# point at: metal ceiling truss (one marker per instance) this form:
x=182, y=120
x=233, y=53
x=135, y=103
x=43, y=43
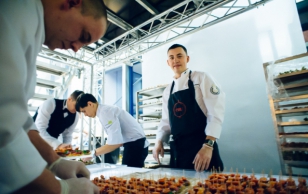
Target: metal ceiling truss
x=126, y=48
x=69, y=57
x=65, y=85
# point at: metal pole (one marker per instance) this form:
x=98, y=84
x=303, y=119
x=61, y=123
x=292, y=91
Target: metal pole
x=90, y=120
x=103, y=102
x=124, y=87
x=82, y=116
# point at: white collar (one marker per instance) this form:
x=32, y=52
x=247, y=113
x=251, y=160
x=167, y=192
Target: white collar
x=184, y=75
x=99, y=107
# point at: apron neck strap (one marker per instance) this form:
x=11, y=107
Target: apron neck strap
x=171, y=88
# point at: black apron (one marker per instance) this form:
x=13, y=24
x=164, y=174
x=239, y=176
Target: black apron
x=134, y=153
x=188, y=122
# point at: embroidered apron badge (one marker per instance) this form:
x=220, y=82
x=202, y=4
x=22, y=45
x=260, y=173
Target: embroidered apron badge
x=214, y=90
x=179, y=109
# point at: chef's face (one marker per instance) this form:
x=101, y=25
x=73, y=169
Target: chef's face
x=90, y=110
x=177, y=60
x=66, y=28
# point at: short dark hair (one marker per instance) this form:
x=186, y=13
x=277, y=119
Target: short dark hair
x=76, y=93
x=95, y=8
x=82, y=101
x=176, y=46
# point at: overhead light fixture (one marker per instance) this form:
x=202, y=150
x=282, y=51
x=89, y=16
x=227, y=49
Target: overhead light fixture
x=92, y=45
x=146, y=5
x=118, y=21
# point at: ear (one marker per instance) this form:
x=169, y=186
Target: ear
x=168, y=63
x=89, y=103
x=68, y=4
x=188, y=59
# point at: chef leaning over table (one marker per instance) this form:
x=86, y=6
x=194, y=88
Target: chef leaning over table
x=27, y=163
x=121, y=128
x=193, y=112
x=55, y=117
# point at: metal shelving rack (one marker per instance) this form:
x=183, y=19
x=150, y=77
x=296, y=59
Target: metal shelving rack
x=287, y=84
x=149, y=102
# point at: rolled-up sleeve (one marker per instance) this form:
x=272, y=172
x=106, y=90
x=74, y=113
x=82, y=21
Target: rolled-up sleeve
x=164, y=130
x=214, y=100
x=29, y=125
x=20, y=162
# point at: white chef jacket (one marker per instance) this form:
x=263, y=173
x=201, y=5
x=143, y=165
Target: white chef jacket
x=22, y=34
x=119, y=125
x=42, y=120
x=209, y=96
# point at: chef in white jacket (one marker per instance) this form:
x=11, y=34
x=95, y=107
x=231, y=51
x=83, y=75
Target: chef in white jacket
x=193, y=112
x=27, y=163
x=121, y=128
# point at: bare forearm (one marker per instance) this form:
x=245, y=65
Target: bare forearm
x=45, y=183
x=106, y=149
x=43, y=147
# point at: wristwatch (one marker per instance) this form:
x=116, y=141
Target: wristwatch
x=209, y=142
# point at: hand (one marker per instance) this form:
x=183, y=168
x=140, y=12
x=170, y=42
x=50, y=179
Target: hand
x=78, y=185
x=158, y=149
x=86, y=159
x=64, y=146
x=203, y=158
x=66, y=169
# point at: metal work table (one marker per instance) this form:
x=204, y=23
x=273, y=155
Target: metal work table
x=121, y=170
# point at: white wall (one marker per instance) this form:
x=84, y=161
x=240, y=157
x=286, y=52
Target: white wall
x=233, y=53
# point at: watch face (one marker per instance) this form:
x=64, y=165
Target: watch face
x=209, y=142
